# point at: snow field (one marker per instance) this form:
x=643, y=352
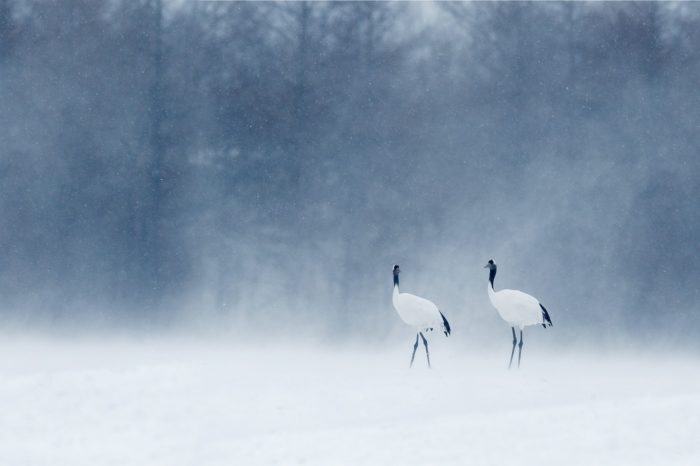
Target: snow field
x=193, y=403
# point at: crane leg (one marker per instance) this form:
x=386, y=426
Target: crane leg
x=520, y=345
x=425, y=342
x=415, y=346
x=512, y=352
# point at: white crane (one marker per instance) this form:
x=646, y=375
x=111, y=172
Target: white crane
x=517, y=308
x=419, y=313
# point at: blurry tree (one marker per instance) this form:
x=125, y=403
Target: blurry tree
x=274, y=154
x=8, y=29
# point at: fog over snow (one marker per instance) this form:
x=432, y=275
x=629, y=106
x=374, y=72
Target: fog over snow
x=181, y=402
x=201, y=204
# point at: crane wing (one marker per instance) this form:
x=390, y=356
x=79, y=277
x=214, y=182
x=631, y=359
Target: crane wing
x=518, y=308
x=417, y=311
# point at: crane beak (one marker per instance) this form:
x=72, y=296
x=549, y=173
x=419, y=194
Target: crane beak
x=486, y=266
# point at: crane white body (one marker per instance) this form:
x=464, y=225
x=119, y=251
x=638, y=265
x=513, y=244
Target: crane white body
x=515, y=307
x=416, y=311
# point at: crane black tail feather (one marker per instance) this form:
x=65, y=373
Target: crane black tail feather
x=545, y=317
x=445, y=325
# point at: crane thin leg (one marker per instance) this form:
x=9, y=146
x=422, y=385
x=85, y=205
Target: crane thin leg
x=414, y=351
x=512, y=352
x=520, y=345
x=425, y=342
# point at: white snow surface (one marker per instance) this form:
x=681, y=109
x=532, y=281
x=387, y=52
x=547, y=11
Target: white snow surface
x=193, y=403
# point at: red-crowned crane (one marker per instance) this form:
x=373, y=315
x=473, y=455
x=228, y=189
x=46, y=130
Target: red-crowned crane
x=419, y=313
x=518, y=309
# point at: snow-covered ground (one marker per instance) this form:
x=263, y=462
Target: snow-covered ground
x=191, y=403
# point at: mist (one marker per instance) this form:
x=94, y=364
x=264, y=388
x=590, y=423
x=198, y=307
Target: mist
x=247, y=165
x=202, y=202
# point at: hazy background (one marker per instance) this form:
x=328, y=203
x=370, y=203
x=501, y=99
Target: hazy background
x=260, y=167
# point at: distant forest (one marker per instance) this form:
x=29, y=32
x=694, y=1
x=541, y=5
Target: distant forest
x=244, y=159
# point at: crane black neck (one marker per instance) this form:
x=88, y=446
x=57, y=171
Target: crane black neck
x=396, y=279
x=492, y=275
